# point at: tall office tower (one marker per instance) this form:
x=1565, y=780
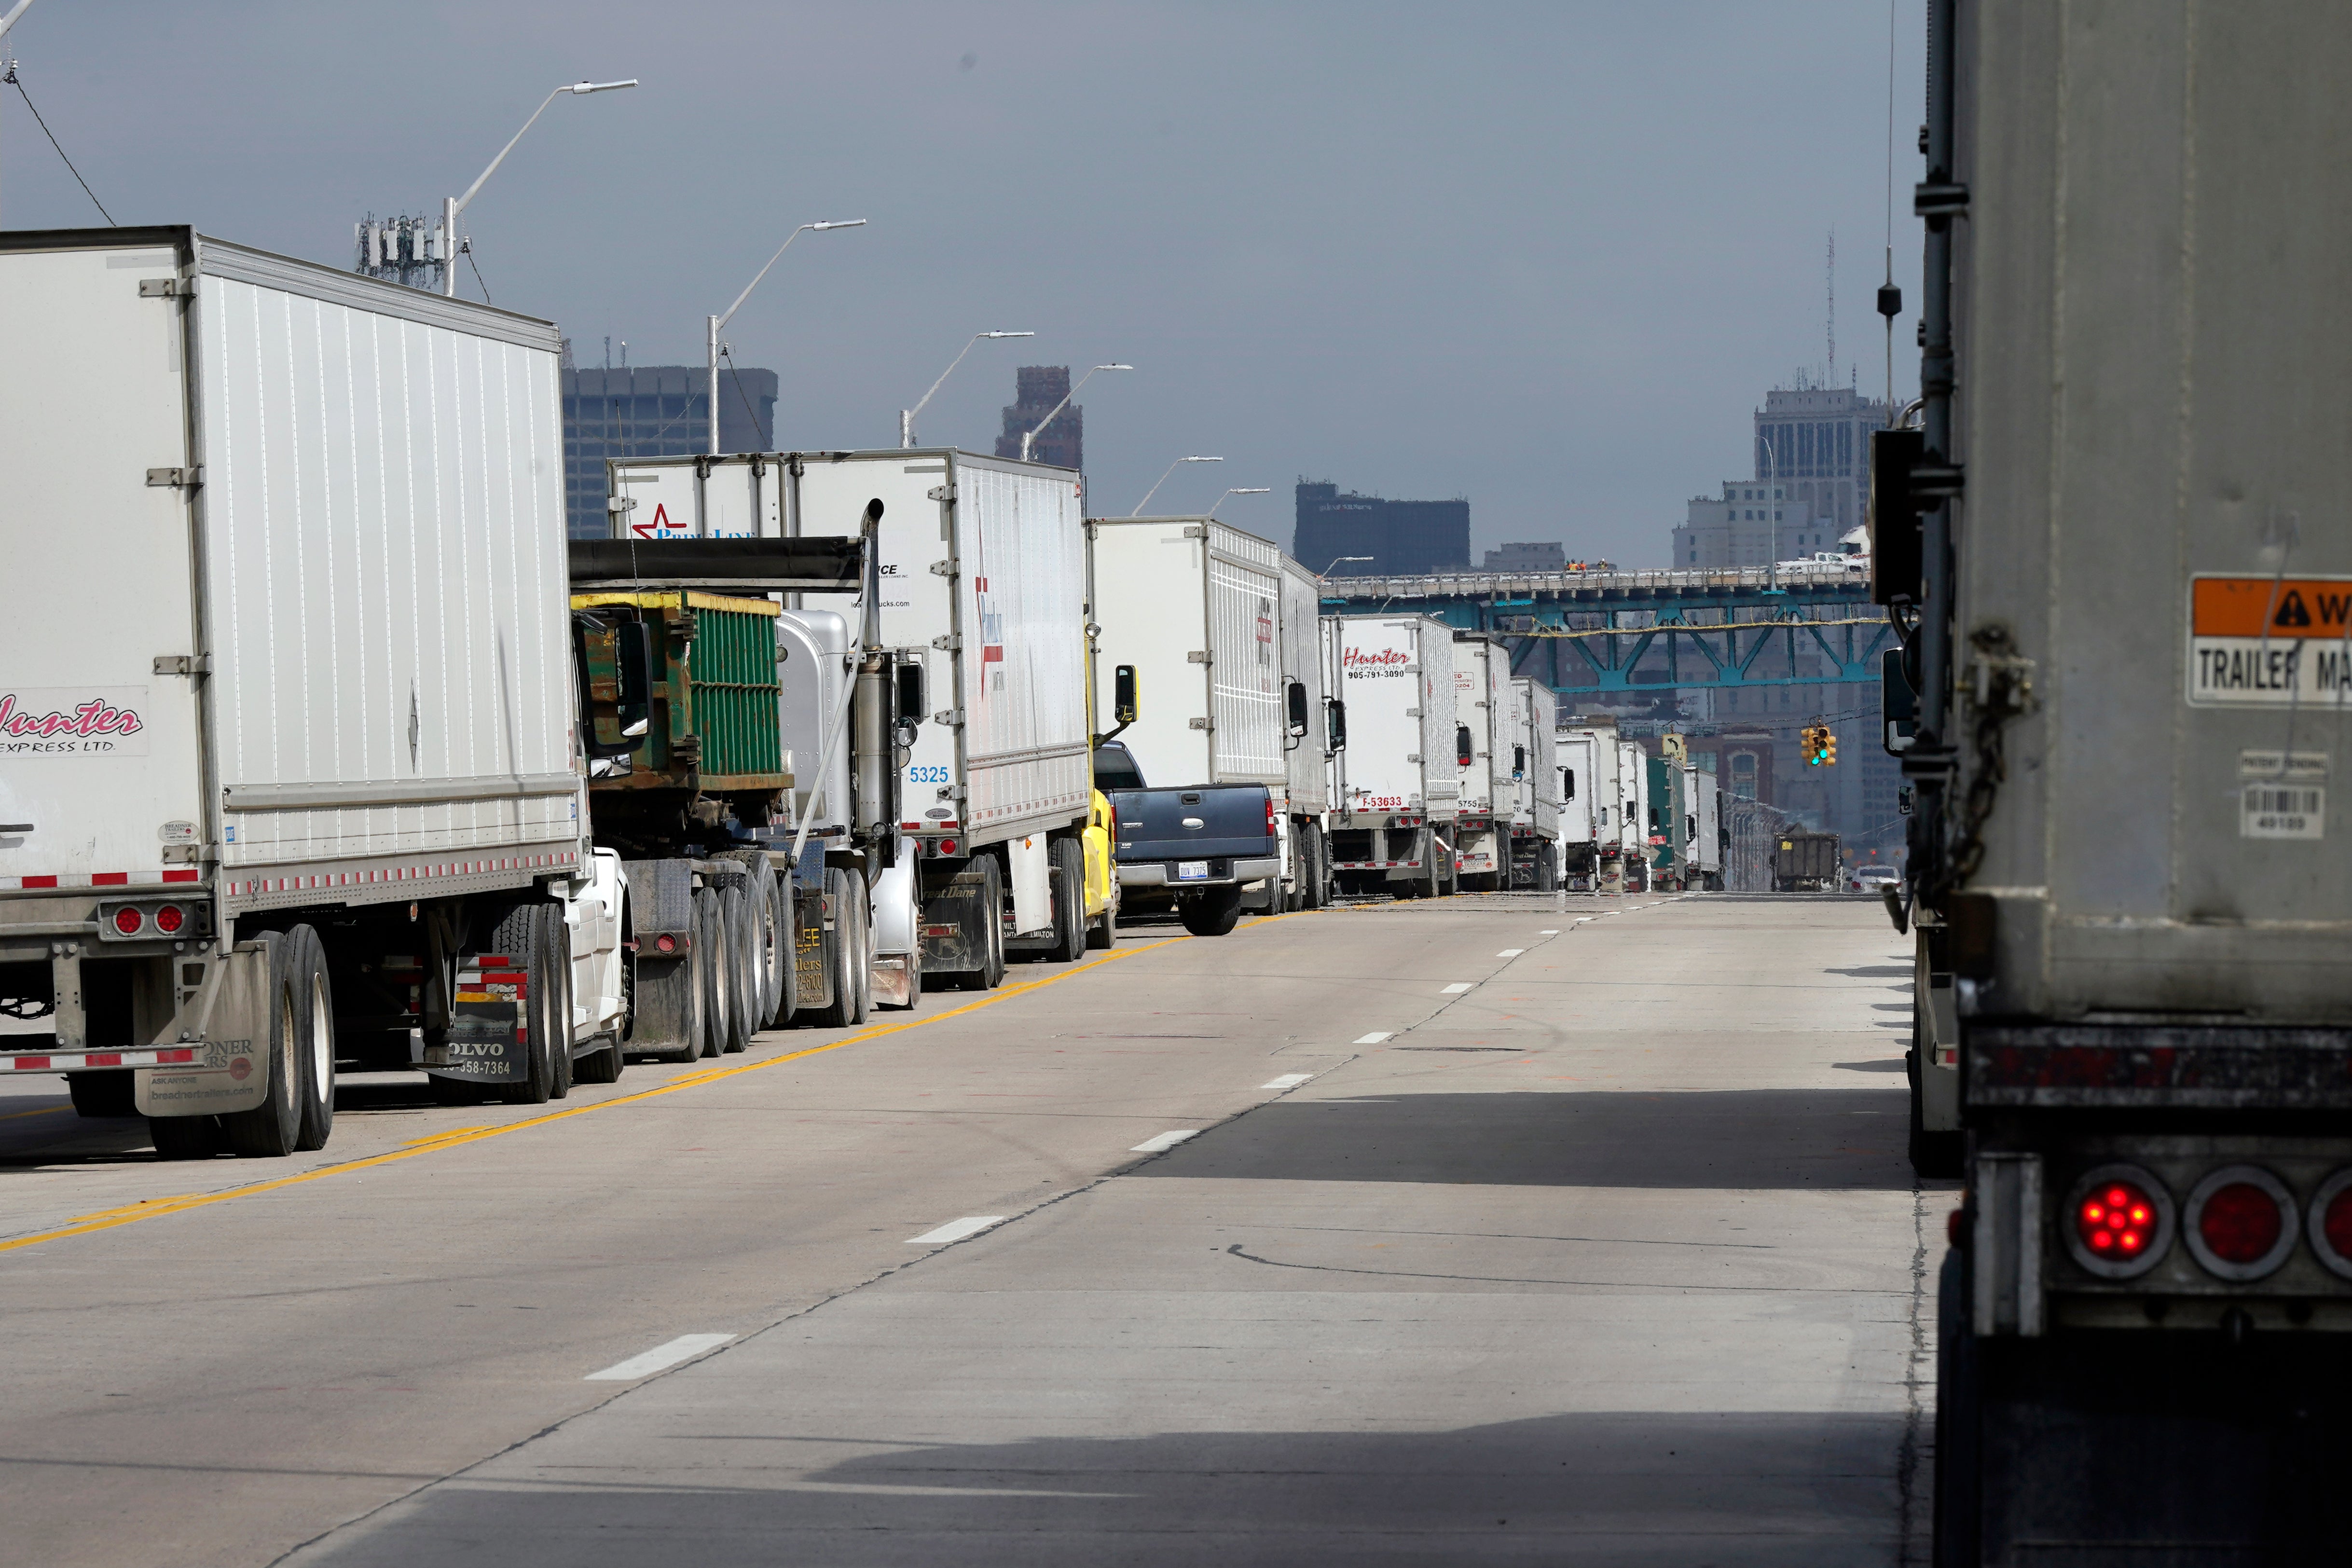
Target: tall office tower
x=653, y=411
x=1036, y=388
x=1401, y=537
x=1812, y=468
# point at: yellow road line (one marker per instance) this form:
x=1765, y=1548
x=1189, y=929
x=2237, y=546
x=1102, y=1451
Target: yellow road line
x=37, y=1110
x=149, y=1208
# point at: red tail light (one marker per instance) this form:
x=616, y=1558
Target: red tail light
x=665, y=944
x=128, y=920
x=2331, y=1223
x=2118, y=1221
x=169, y=919
x=946, y=845
x=1269, y=815
x=2238, y=1221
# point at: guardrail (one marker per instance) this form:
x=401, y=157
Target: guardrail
x=1803, y=575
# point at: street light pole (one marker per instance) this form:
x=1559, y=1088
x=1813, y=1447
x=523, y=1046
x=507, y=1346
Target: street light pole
x=1163, y=480
x=1772, y=564
x=1336, y=558
x=1253, y=490
x=1049, y=418
x=8, y=65
x=907, y=415
x=715, y=322
x=452, y=206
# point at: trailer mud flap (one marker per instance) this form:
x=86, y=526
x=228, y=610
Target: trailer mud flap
x=812, y=916
x=231, y=1015
x=486, y=1043
x=953, y=933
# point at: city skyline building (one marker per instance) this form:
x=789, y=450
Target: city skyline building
x=1401, y=537
x=1812, y=451
x=1545, y=555
x=653, y=411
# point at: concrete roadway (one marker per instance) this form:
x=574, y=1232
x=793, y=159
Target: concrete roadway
x=1502, y=1235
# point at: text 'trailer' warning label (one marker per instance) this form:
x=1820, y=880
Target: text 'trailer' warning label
x=2270, y=642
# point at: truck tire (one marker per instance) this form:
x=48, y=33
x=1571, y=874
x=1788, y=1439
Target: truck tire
x=102, y=1094
x=602, y=1065
x=1957, y=1506
x=319, y=1104
x=710, y=970
x=776, y=932
x=1067, y=877
x=1102, y=932
x=1213, y=911
x=184, y=1137
x=740, y=970
x=1317, y=856
x=521, y=935
x=274, y=1128
x=852, y=983
x=861, y=950
x=558, y=999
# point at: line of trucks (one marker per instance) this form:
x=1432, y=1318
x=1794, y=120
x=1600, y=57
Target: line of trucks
x=323, y=749
x=2101, y=533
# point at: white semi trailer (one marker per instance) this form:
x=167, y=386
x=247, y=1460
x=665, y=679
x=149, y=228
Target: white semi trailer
x=1307, y=848
x=1534, y=786
x=982, y=568
x=1392, y=817
x=1585, y=759
x=1481, y=746
x=289, y=768
x=1194, y=608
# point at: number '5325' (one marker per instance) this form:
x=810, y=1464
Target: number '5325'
x=927, y=775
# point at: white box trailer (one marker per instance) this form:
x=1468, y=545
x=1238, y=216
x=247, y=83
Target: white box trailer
x=983, y=565
x=1704, y=830
x=1536, y=805
x=1633, y=813
x=1310, y=757
x=1482, y=720
x=1392, y=824
x=288, y=771
x=1586, y=785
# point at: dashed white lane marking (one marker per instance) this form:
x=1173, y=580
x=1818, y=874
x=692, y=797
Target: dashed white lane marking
x=1547, y=933
x=1511, y=952
x=1379, y=1036
x=1288, y=1080
x=1583, y=919
x=685, y=1347
x=1164, y=1141
x=1456, y=989
x=956, y=1230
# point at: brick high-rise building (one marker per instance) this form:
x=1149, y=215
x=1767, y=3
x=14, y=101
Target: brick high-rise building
x=1036, y=388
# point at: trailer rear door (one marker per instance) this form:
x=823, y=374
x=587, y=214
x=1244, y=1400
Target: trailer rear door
x=100, y=750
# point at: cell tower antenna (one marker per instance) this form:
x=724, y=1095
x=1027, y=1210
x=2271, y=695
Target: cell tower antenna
x=1832, y=273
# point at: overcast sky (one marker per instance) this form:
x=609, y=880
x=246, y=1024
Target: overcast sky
x=1546, y=256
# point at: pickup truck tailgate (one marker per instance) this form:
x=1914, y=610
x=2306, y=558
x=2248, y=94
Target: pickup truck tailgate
x=1212, y=821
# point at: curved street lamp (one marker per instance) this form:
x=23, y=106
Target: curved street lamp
x=1032, y=437
x=1163, y=480
x=718, y=322
x=1253, y=490
x=907, y=415
x=452, y=206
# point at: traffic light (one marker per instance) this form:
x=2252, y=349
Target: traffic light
x=1829, y=747
x=1820, y=746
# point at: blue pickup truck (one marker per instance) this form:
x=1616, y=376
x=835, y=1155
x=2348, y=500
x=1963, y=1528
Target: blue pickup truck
x=1195, y=846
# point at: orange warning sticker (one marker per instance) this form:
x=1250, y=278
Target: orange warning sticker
x=2270, y=642
x=2278, y=607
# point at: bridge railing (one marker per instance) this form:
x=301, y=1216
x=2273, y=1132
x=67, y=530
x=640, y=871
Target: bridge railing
x=1799, y=575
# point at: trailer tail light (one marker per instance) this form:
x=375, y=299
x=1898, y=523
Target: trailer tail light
x=2238, y=1225
x=128, y=919
x=2118, y=1221
x=2330, y=1226
x=170, y=918
x=946, y=845
x=665, y=944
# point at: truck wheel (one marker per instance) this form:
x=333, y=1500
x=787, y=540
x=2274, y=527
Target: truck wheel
x=319, y=1105
x=184, y=1137
x=274, y=1127
x=741, y=970
x=992, y=901
x=1211, y=913
x=602, y=1065
x=97, y=1094
x=558, y=999
x=1317, y=857
x=860, y=948
x=776, y=934
x=520, y=935
x=1102, y=934
x=851, y=981
x=710, y=970
x=1067, y=877
x=771, y=950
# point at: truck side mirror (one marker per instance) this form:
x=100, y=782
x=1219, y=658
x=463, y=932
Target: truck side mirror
x=1296, y=697
x=633, y=660
x=913, y=697
x=1462, y=755
x=1899, y=705
x=1124, y=704
x=600, y=670
x=1518, y=762
x=1335, y=716
x=1568, y=777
